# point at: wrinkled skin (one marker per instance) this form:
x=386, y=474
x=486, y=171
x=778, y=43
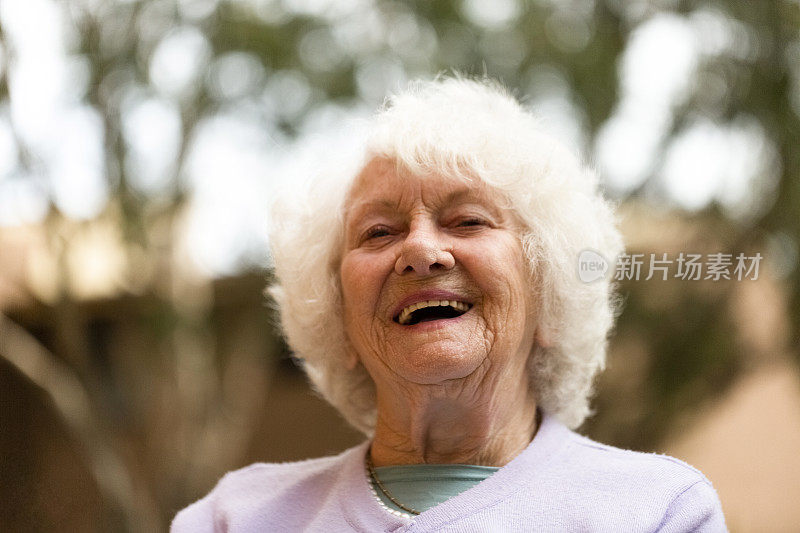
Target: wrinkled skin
x=449, y=391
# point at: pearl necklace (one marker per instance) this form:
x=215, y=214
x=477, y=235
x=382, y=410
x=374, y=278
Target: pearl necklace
x=372, y=478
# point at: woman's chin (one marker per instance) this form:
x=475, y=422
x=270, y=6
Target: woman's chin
x=434, y=365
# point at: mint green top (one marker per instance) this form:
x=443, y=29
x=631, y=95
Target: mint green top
x=421, y=487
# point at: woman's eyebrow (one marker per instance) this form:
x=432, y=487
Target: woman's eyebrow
x=472, y=196
x=359, y=209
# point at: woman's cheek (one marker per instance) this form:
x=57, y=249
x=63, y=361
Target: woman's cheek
x=350, y=273
x=362, y=276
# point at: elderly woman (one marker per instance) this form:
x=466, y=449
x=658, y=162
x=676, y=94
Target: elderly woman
x=433, y=297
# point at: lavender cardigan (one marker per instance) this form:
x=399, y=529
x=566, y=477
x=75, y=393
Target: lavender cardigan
x=560, y=482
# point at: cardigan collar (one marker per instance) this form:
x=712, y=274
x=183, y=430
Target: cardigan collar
x=365, y=514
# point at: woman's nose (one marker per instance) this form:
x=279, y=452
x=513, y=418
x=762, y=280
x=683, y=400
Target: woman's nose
x=423, y=251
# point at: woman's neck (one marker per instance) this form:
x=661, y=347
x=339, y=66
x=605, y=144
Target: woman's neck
x=454, y=423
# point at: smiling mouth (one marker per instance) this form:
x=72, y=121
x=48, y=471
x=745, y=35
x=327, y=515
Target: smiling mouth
x=431, y=310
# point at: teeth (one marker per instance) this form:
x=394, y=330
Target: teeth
x=405, y=314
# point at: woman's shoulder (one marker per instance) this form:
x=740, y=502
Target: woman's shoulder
x=595, y=463
x=672, y=491
x=262, y=485
x=274, y=472
x=630, y=487
x=621, y=462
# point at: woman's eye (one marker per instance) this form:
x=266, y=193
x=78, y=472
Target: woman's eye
x=471, y=222
x=377, y=232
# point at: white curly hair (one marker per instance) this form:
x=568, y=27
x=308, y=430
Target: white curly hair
x=463, y=128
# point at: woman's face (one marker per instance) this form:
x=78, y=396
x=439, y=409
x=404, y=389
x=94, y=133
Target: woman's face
x=443, y=246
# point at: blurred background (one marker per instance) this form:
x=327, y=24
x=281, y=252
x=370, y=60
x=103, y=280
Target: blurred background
x=139, y=145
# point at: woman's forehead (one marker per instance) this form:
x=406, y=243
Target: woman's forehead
x=381, y=186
